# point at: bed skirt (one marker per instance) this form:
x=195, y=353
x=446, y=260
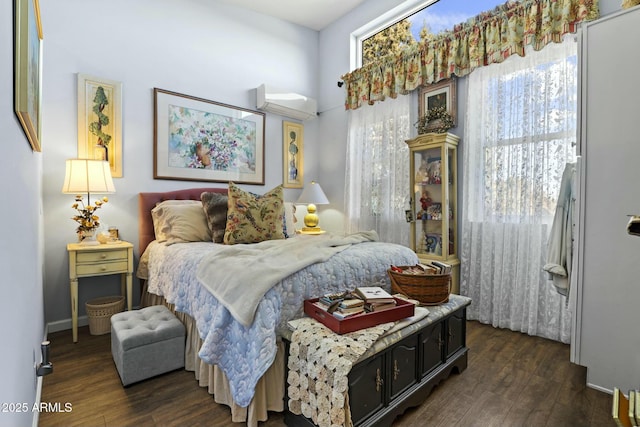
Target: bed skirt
x=269, y=395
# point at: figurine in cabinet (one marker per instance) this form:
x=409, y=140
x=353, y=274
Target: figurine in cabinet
x=434, y=211
x=433, y=171
x=433, y=243
x=422, y=176
x=425, y=200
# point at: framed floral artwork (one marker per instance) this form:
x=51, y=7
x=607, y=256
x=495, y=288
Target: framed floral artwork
x=197, y=139
x=293, y=150
x=441, y=95
x=28, y=69
x=100, y=121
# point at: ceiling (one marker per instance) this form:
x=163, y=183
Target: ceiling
x=314, y=14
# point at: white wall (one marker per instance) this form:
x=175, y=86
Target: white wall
x=21, y=260
x=194, y=47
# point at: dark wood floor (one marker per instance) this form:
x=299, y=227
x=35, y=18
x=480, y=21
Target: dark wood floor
x=512, y=380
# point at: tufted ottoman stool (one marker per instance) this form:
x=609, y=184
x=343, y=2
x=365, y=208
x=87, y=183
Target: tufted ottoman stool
x=146, y=342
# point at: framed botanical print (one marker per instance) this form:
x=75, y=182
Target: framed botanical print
x=196, y=139
x=100, y=121
x=293, y=150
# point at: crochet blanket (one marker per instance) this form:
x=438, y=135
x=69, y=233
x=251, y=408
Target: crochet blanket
x=319, y=362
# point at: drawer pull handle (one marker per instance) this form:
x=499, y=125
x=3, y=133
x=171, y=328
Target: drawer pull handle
x=396, y=371
x=379, y=380
x=103, y=256
x=103, y=268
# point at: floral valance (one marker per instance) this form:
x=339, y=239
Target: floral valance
x=488, y=38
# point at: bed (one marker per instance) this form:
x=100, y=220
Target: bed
x=240, y=360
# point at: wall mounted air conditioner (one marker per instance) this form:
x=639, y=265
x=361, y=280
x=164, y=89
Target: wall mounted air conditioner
x=286, y=103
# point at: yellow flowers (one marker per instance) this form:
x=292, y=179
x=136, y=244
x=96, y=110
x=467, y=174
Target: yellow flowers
x=86, y=216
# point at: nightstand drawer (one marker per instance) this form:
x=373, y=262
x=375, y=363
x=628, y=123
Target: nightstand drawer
x=91, y=257
x=102, y=268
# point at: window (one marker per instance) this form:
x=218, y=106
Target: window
x=530, y=118
x=377, y=172
x=519, y=134
x=400, y=29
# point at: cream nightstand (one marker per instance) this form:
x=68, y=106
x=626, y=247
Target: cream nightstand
x=99, y=260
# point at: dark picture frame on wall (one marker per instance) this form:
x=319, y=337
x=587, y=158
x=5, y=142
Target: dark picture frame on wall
x=196, y=139
x=440, y=94
x=28, y=69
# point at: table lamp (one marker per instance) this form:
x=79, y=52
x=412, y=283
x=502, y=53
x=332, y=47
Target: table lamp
x=311, y=196
x=87, y=176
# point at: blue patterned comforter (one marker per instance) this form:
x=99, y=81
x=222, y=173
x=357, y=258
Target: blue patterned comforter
x=245, y=353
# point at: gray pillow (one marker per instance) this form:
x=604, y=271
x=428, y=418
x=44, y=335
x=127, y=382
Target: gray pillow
x=215, y=207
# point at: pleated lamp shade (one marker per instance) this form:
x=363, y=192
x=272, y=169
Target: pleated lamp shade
x=88, y=176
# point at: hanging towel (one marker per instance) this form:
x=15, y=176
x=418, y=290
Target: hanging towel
x=560, y=244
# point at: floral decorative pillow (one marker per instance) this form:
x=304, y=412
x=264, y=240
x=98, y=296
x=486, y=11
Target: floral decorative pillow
x=252, y=218
x=178, y=222
x=215, y=209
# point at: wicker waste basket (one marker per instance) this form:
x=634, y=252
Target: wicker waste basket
x=429, y=289
x=99, y=312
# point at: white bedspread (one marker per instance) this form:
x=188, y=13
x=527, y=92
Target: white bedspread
x=227, y=268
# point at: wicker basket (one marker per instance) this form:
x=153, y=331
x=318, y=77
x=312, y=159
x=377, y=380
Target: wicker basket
x=99, y=312
x=429, y=289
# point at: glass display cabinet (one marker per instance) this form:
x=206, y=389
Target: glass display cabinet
x=434, y=187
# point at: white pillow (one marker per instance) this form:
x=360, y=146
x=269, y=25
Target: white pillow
x=290, y=219
x=177, y=221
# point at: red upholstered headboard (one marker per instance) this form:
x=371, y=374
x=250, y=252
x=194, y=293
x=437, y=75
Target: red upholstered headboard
x=147, y=201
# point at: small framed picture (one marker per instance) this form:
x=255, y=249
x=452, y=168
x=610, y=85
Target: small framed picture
x=408, y=214
x=113, y=234
x=441, y=94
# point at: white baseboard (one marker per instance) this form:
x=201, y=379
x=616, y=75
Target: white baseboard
x=602, y=389
x=66, y=324
x=36, y=414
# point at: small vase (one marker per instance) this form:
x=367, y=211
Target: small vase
x=88, y=237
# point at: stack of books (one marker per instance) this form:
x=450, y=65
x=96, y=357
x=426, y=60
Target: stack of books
x=375, y=298
x=340, y=304
x=436, y=267
x=332, y=298
x=349, y=307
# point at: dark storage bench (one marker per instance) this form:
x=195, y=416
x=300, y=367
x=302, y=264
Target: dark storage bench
x=402, y=368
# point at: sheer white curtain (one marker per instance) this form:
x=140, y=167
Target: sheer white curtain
x=377, y=176
x=519, y=134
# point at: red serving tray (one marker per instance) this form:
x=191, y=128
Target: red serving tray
x=402, y=310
